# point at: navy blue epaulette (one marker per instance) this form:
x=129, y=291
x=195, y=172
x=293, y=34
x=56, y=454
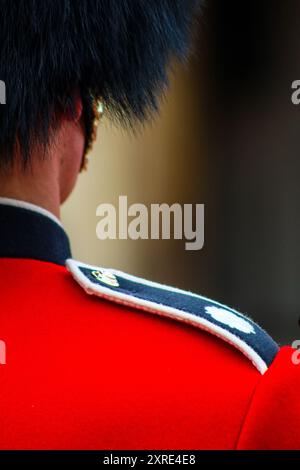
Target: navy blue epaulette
x=221, y=321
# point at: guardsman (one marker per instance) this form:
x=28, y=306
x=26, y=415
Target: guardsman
x=93, y=358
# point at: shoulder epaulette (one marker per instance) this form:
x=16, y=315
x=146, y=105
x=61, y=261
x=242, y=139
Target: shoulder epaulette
x=219, y=320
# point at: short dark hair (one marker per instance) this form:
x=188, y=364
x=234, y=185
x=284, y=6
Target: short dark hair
x=114, y=49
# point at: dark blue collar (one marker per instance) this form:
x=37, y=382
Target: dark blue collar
x=27, y=231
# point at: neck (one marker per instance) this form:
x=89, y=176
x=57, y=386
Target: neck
x=48, y=201
x=39, y=186
x=50, y=177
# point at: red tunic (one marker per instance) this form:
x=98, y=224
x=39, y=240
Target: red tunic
x=84, y=372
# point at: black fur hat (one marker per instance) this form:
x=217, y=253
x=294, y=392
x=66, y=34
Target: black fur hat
x=114, y=49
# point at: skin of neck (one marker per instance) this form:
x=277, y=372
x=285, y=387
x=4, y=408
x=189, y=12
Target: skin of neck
x=50, y=177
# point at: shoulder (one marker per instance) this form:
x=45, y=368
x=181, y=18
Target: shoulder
x=222, y=322
x=273, y=417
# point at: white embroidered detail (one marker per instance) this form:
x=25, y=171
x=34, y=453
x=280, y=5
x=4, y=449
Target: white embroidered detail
x=105, y=276
x=230, y=319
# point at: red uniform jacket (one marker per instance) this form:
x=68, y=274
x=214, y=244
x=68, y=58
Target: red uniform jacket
x=97, y=359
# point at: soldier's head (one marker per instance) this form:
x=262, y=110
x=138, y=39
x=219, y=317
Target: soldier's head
x=58, y=58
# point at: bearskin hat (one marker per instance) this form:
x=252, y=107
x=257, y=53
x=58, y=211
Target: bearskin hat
x=116, y=50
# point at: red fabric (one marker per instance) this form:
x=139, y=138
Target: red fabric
x=273, y=419
x=83, y=373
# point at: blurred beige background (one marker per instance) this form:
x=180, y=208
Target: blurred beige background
x=163, y=162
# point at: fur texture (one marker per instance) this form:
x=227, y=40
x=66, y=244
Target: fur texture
x=114, y=49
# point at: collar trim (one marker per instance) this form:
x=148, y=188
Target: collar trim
x=7, y=201
x=31, y=232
